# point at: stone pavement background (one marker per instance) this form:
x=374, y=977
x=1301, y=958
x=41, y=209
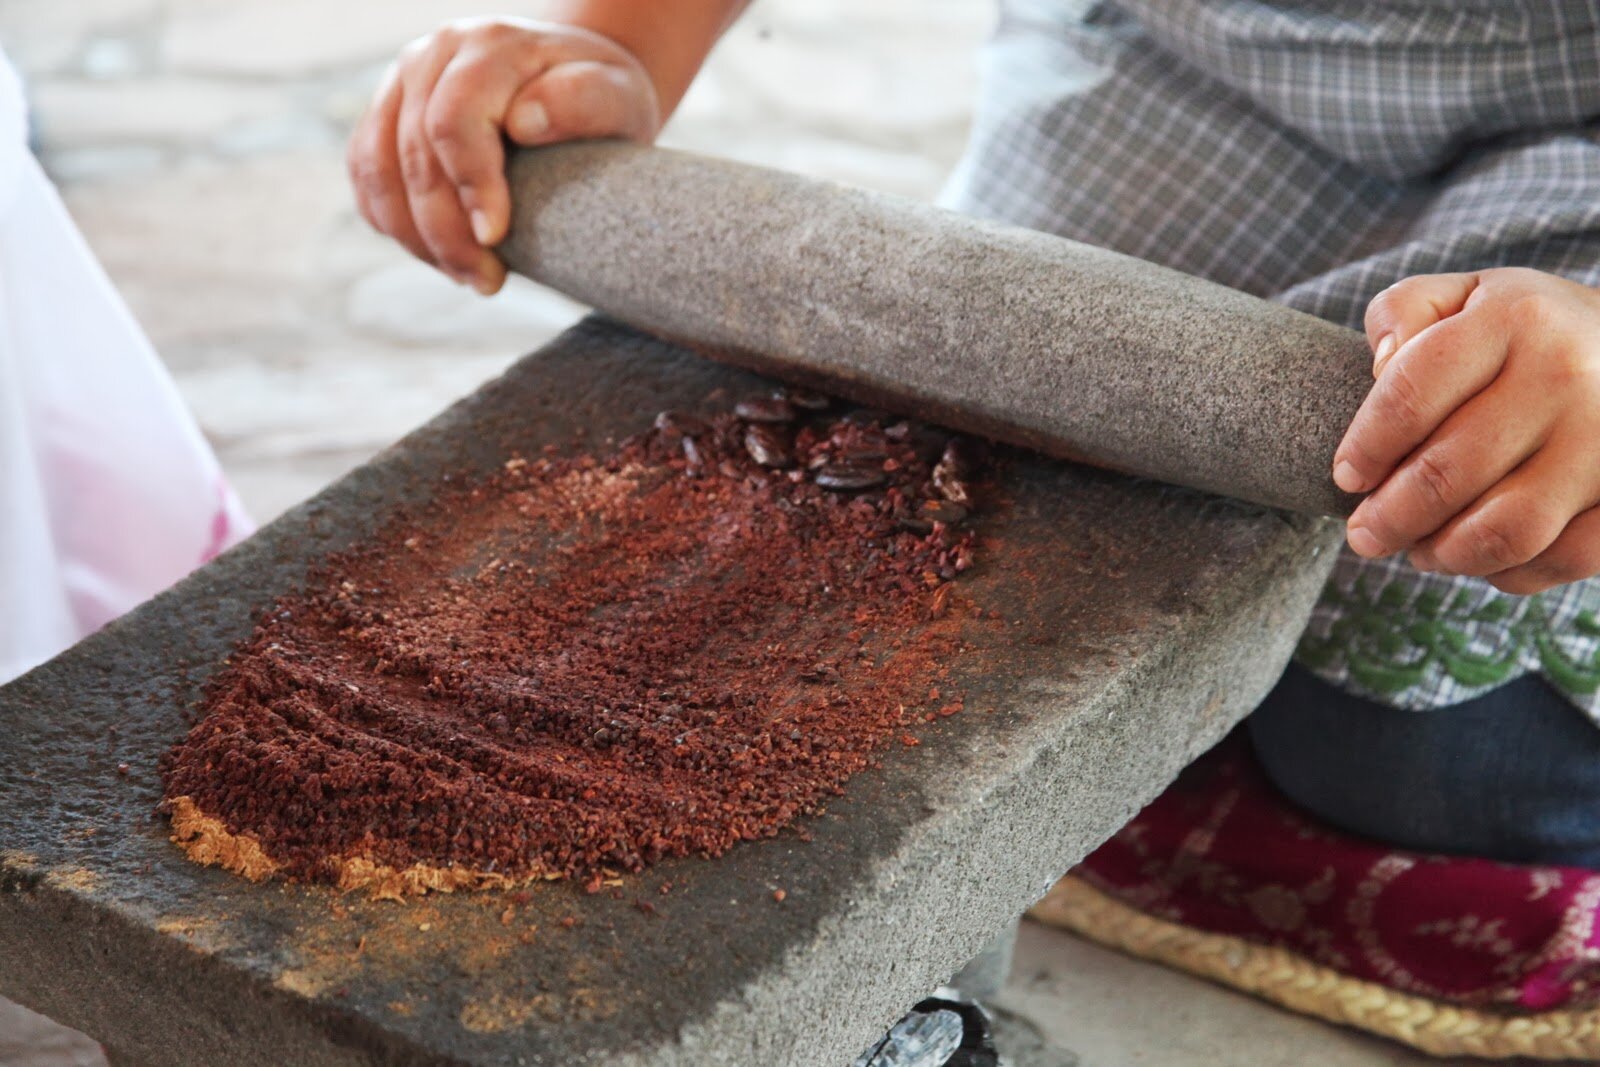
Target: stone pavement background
x=199, y=143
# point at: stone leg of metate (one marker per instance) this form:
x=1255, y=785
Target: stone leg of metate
x=28, y=1039
x=987, y=972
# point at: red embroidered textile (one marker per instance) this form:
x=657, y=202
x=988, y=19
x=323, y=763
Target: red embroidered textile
x=1224, y=852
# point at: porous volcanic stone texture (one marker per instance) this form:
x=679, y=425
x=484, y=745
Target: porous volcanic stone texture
x=1069, y=349
x=1139, y=623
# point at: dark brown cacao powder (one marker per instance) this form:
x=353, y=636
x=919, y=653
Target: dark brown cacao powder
x=581, y=664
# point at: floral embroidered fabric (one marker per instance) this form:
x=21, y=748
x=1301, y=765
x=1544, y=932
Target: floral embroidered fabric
x=1418, y=641
x=1222, y=852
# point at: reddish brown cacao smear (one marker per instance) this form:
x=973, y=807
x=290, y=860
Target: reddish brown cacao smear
x=580, y=664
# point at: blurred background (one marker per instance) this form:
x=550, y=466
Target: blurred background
x=199, y=144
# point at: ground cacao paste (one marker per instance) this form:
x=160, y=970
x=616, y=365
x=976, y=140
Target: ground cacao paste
x=581, y=665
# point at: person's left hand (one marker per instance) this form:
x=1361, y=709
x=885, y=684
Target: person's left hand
x=1480, y=440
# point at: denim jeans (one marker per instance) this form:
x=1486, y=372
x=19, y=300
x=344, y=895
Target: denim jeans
x=1513, y=775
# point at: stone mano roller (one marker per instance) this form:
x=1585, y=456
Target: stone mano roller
x=1060, y=346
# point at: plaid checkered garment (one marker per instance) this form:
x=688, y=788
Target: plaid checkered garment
x=1314, y=152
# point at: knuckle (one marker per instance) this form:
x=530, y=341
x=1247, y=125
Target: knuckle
x=430, y=48
x=499, y=32
x=1563, y=573
x=1529, y=312
x=454, y=261
x=1500, y=543
x=1383, y=525
x=416, y=166
x=443, y=232
x=1572, y=563
x=1497, y=545
x=1401, y=400
x=446, y=37
x=1388, y=307
x=366, y=174
x=1558, y=566
x=591, y=86
x=1573, y=371
x=443, y=125
x=1437, y=477
x=1514, y=279
x=1383, y=309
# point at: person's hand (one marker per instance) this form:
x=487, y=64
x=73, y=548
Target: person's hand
x=1480, y=440
x=427, y=159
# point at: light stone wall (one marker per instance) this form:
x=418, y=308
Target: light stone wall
x=199, y=143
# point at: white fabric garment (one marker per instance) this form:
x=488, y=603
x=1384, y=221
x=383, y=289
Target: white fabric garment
x=108, y=492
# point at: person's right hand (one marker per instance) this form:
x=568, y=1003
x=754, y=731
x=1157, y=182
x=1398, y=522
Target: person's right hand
x=427, y=159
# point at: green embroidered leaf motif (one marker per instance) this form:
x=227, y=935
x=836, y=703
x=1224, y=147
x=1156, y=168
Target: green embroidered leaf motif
x=1568, y=673
x=1392, y=597
x=1387, y=676
x=1453, y=649
x=1427, y=633
x=1475, y=670
x=1389, y=642
x=1429, y=605
x=1493, y=611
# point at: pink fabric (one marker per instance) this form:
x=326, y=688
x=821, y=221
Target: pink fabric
x=108, y=490
x=1222, y=851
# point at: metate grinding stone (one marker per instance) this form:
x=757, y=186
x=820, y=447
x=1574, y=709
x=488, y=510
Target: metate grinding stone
x=1142, y=623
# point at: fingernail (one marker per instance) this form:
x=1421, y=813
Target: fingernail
x=1346, y=477
x=489, y=276
x=1363, y=542
x=1380, y=355
x=528, y=119
x=482, y=228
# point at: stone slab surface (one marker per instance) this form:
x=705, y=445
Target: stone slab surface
x=1142, y=622
x=1061, y=346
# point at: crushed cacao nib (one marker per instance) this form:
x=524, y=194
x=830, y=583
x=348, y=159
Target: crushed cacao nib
x=765, y=409
x=943, y=511
x=679, y=424
x=849, y=477
x=963, y=456
x=582, y=664
x=768, y=446
x=804, y=399
x=950, y=483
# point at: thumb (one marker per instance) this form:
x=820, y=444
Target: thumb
x=1410, y=306
x=583, y=100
